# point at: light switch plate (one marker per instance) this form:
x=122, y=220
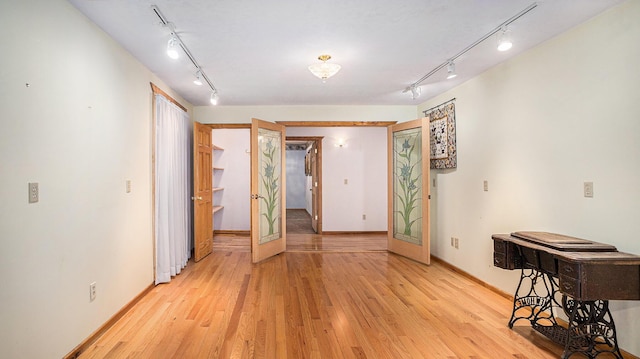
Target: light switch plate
x=588, y=189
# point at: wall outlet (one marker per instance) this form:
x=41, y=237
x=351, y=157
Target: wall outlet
x=34, y=192
x=485, y=185
x=92, y=291
x=346, y=181
x=456, y=244
x=364, y=216
x=128, y=186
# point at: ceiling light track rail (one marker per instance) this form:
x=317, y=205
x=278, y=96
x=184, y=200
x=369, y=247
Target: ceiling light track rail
x=185, y=49
x=474, y=44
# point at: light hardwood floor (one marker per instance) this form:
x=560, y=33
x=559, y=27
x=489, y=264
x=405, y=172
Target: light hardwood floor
x=311, y=304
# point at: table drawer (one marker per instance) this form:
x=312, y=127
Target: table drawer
x=499, y=246
x=571, y=270
x=570, y=286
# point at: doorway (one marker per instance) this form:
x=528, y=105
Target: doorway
x=304, y=185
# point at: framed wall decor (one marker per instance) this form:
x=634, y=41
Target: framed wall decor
x=442, y=130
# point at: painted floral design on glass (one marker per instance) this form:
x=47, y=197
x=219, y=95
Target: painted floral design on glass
x=269, y=164
x=407, y=185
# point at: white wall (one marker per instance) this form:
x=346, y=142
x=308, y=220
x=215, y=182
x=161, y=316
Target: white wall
x=243, y=114
x=235, y=179
x=296, y=179
x=363, y=163
x=536, y=128
x=80, y=129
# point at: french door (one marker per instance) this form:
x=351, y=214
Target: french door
x=409, y=190
x=268, y=190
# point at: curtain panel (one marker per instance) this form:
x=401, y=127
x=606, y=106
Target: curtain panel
x=173, y=212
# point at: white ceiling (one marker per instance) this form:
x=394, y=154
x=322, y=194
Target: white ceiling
x=257, y=52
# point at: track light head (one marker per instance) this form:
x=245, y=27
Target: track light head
x=172, y=48
x=451, y=70
x=213, y=98
x=198, y=80
x=504, y=39
x=415, y=91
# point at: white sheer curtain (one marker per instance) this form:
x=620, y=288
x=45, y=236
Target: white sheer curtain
x=173, y=189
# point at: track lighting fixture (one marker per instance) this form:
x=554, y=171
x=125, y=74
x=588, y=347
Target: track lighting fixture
x=415, y=92
x=504, y=39
x=504, y=44
x=451, y=70
x=198, y=80
x=172, y=48
x=176, y=45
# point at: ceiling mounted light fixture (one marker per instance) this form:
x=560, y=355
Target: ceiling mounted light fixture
x=501, y=30
x=172, y=48
x=504, y=39
x=415, y=92
x=451, y=70
x=198, y=80
x=324, y=70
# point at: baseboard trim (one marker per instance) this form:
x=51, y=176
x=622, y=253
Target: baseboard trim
x=331, y=233
x=472, y=277
x=232, y=232
x=75, y=353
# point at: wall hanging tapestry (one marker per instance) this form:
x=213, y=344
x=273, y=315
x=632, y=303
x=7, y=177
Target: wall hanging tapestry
x=442, y=128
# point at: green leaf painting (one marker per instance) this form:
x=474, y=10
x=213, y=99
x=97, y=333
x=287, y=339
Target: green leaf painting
x=269, y=162
x=407, y=176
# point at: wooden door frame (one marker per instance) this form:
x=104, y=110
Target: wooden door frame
x=317, y=140
x=319, y=124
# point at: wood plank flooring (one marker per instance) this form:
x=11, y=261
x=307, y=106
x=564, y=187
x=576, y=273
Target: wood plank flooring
x=299, y=221
x=316, y=304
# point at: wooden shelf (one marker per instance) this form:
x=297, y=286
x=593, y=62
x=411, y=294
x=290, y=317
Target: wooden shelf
x=216, y=207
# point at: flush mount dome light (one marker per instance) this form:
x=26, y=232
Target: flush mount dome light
x=324, y=70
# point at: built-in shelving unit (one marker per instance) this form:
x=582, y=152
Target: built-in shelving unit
x=217, y=208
